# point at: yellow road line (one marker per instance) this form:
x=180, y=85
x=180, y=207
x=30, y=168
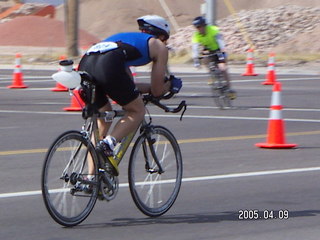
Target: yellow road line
x=214, y=139
x=13, y=152
x=182, y=141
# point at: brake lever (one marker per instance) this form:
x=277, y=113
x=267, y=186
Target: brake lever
x=156, y=102
x=181, y=106
x=185, y=109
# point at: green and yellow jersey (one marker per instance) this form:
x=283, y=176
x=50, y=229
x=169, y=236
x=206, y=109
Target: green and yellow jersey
x=209, y=40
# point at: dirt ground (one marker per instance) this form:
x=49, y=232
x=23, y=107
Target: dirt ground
x=101, y=18
x=105, y=17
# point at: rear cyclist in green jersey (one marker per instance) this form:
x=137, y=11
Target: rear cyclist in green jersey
x=210, y=38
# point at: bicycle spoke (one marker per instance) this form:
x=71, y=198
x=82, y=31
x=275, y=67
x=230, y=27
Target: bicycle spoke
x=150, y=193
x=66, y=165
x=155, y=191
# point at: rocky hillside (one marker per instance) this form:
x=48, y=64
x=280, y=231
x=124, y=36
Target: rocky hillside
x=264, y=29
x=269, y=25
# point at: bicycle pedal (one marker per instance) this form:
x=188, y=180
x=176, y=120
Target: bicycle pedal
x=153, y=141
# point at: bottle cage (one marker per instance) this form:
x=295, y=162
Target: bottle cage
x=87, y=93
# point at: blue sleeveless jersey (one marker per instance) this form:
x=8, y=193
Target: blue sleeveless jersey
x=137, y=40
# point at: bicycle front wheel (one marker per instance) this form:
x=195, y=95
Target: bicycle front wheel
x=221, y=99
x=155, y=171
x=70, y=179
x=219, y=93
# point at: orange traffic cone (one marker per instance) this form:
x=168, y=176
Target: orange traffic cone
x=17, y=81
x=59, y=87
x=271, y=75
x=250, y=65
x=276, y=126
x=76, y=102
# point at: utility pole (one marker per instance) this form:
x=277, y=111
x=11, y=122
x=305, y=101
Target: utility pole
x=169, y=15
x=71, y=26
x=211, y=11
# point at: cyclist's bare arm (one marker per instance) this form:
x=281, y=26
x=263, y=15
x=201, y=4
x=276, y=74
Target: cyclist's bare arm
x=159, y=56
x=146, y=87
x=142, y=87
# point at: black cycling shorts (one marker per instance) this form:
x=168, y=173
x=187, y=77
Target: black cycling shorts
x=219, y=57
x=109, y=71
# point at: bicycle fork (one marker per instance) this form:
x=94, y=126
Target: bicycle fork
x=149, y=141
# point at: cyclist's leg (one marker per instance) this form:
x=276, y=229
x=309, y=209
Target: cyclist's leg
x=102, y=124
x=135, y=111
x=95, y=65
x=224, y=69
x=109, y=71
x=208, y=64
x=103, y=127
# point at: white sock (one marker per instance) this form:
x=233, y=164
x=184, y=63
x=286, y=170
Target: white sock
x=90, y=177
x=111, y=141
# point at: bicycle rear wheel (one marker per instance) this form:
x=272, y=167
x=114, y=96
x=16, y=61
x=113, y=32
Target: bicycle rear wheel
x=155, y=187
x=68, y=191
x=219, y=91
x=221, y=99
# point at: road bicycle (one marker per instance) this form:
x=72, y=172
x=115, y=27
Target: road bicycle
x=220, y=91
x=70, y=189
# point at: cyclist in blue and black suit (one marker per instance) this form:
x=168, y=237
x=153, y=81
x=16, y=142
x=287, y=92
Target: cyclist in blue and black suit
x=108, y=62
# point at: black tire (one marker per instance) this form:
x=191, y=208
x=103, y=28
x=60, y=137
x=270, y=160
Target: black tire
x=221, y=99
x=69, y=195
x=154, y=193
x=219, y=94
x=218, y=98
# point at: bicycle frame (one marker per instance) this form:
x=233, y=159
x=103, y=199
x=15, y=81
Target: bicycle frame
x=75, y=174
x=219, y=85
x=91, y=131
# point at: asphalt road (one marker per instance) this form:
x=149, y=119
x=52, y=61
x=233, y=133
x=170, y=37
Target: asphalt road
x=227, y=180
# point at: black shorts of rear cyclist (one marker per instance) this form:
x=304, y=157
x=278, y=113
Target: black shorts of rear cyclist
x=219, y=57
x=109, y=71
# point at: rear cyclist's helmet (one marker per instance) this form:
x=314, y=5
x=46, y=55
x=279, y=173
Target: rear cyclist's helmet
x=154, y=25
x=199, y=21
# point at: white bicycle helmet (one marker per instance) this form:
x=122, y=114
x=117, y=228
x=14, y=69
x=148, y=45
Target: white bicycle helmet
x=155, y=25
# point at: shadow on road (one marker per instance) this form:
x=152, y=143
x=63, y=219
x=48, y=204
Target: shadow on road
x=190, y=219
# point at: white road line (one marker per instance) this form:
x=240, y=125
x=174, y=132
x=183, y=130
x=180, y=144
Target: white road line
x=176, y=116
x=8, y=127
x=192, y=179
x=35, y=112
x=38, y=79
x=186, y=84
x=236, y=118
x=261, y=109
x=32, y=89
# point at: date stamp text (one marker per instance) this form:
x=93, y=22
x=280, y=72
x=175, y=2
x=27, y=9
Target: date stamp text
x=255, y=214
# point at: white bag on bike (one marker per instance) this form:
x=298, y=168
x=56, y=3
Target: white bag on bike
x=68, y=79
